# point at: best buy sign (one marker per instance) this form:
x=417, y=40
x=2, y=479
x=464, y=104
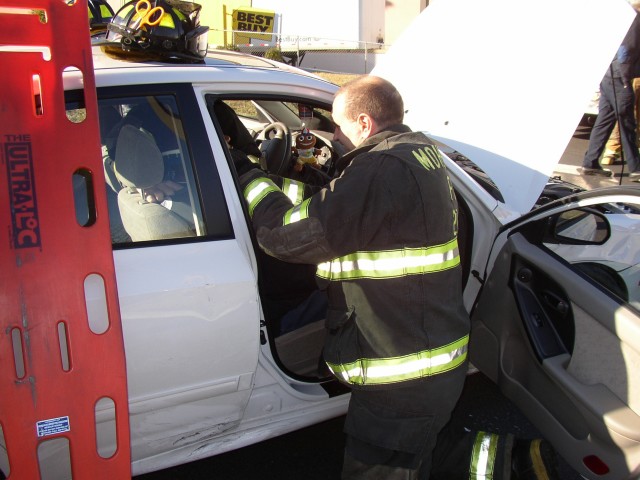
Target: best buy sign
x=258, y=23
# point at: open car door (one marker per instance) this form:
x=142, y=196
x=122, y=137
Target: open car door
x=557, y=327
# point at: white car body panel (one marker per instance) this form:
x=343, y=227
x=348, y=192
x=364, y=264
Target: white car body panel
x=494, y=108
x=202, y=295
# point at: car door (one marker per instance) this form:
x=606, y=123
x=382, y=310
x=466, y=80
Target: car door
x=557, y=327
x=186, y=283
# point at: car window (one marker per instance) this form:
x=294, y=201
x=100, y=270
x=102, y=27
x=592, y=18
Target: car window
x=245, y=108
x=314, y=118
x=151, y=191
x=149, y=171
x=600, y=242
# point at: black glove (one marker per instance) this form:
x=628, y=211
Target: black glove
x=241, y=162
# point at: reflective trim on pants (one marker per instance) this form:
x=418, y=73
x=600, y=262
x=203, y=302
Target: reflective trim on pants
x=379, y=371
x=483, y=456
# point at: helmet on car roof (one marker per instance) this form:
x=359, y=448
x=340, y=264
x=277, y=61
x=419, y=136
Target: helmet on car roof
x=100, y=14
x=159, y=28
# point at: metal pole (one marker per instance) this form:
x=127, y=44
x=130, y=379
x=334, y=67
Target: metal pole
x=365, y=58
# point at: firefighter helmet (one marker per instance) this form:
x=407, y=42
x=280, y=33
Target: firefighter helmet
x=165, y=28
x=100, y=14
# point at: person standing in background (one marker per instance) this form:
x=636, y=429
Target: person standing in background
x=617, y=104
x=613, y=147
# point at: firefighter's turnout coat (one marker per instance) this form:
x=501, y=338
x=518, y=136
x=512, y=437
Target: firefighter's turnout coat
x=384, y=237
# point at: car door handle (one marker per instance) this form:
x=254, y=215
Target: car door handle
x=555, y=302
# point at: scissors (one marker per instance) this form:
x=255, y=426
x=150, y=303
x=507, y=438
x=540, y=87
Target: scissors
x=144, y=13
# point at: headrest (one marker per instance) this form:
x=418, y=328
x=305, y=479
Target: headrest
x=138, y=161
x=233, y=127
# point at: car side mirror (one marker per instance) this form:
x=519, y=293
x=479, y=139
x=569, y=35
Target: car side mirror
x=581, y=226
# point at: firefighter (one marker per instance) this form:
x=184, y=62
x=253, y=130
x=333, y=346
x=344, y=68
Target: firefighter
x=384, y=237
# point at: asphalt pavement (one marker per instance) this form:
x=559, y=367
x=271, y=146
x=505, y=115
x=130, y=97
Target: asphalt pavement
x=571, y=159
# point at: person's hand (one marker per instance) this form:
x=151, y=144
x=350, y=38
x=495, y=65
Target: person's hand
x=159, y=192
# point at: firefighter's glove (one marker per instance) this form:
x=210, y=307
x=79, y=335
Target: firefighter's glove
x=242, y=162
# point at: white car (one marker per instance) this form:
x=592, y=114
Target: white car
x=208, y=367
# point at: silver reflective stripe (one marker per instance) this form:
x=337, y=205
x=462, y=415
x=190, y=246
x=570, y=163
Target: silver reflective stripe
x=297, y=213
x=293, y=189
x=391, y=263
x=257, y=190
x=378, y=371
x=483, y=456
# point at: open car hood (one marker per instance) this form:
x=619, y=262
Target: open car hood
x=505, y=82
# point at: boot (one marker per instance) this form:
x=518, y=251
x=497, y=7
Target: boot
x=533, y=460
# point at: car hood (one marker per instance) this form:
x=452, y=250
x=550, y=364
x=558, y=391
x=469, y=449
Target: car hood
x=505, y=82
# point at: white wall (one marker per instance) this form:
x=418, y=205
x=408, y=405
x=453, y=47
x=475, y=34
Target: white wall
x=372, y=20
x=330, y=19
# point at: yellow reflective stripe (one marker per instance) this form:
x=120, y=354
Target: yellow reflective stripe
x=379, y=371
x=257, y=190
x=297, y=213
x=167, y=21
x=104, y=11
x=483, y=456
x=293, y=189
x=125, y=10
x=90, y=14
x=391, y=263
x=179, y=14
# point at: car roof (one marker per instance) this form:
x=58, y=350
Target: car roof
x=219, y=66
x=505, y=83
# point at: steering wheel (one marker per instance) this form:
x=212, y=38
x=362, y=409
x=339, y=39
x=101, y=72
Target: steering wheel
x=278, y=148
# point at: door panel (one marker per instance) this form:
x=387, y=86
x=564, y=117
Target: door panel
x=566, y=351
x=190, y=318
x=187, y=287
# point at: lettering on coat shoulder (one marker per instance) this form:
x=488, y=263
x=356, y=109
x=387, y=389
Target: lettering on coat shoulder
x=429, y=157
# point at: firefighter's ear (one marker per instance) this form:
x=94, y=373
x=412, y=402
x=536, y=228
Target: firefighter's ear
x=366, y=125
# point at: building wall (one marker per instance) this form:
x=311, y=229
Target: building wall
x=398, y=15
x=331, y=19
x=217, y=15
x=372, y=20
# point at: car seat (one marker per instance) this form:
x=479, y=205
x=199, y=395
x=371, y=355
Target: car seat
x=139, y=166
x=232, y=126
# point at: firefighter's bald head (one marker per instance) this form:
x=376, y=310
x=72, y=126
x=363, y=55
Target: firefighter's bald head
x=365, y=106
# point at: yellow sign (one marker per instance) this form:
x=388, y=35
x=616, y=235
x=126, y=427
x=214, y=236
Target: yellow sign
x=257, y=23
